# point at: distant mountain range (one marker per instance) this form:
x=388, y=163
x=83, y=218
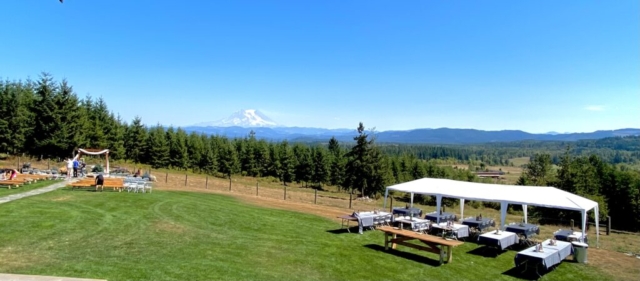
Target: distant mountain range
x=241, y=123
x=242, y=118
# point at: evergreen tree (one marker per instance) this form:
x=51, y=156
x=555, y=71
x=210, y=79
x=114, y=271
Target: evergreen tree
x=195, y=148
x=228, y=158
x=321, y=170
x=337, y=163
x=46, y=121
x=157, y=148
x=116, y=138
x=136, y=141
x=209, y=160
x=286, y=163
x=303, y=165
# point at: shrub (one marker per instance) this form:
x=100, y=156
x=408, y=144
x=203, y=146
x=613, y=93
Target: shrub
x=97, y=169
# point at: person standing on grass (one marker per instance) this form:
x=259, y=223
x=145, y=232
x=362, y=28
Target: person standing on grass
x=100, y=182
x=69, y=167
x=76, y=165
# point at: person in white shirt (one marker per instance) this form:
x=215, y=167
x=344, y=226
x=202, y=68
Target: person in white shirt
x=69, y=167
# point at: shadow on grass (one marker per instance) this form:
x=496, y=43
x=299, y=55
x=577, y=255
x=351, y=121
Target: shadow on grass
x=516, y=272
x=487, y=252
x=344, y=230
x=406, y=255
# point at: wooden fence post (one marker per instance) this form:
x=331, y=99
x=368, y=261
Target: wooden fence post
x=350, y=197
x=572, y=224
x=166, y=177
x=390, y=204
x=285, y=192
x=18, y=164
x=229, y=183
x=257, y=186
x=206, y=182
x=315, y=196
x=608, y=225
x=48, y=164
x=185, y=179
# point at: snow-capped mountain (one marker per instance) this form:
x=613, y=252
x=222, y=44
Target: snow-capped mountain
x=242, y=118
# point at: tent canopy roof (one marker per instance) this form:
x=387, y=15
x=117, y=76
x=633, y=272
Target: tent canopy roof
x=543, y=196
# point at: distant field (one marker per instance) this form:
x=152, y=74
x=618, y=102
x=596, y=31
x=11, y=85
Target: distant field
x=519, y=161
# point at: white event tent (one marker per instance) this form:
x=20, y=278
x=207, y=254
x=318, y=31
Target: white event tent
x=542, y=196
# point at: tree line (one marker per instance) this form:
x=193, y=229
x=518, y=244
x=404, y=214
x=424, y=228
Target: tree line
x=614, y=150
x=616, y=190
x=46, y=119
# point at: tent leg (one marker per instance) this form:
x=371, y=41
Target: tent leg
x=524, y=208
x=597, y=215
x=461, y=209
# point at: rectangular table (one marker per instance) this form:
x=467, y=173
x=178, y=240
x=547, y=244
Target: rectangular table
x=434, y=244
x=346, y=219
x=444, y=217
x=569, y=235
x=501, y=241
x=417, y=224
x=481, y=224
x=456, y=231
x=415, y=212
x=526, y=229
x=551, y=255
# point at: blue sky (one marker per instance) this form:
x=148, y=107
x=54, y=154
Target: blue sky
x=538, y=66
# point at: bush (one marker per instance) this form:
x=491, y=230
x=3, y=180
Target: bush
x=97, y=169
x=4, y=156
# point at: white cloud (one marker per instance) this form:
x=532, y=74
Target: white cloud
x=594, y=108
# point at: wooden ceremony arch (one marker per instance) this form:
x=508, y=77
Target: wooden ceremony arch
x=94, y=151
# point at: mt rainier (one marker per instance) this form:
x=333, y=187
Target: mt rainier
x=242, y=118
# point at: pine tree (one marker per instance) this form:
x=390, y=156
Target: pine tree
x=180, y=152
x=303, y=169
x=195, y=149
x=157, y=148
x=136, y=141
x=287, y=164
x=228, y=158
x=337, y=163
x=116, y=138
x=46, y=121
x=320, y=165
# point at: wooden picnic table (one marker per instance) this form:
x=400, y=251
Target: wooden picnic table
x=434, y=244
x=116, y=184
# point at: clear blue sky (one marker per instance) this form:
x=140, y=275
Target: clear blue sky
x=538, y=66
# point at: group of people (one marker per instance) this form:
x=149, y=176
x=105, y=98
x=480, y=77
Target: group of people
x=75, y=166
x=10, y=174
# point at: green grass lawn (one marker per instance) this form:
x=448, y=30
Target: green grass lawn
x=4, y=191
x=192, y=236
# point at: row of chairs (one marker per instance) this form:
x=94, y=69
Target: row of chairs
x=132, y=184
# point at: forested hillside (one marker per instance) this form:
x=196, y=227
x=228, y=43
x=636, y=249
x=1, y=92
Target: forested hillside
x=46, y=119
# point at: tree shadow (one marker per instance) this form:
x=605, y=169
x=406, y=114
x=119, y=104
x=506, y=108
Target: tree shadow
x=405, y=255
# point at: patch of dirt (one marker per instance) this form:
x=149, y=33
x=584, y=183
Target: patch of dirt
x=15, y=259
x=171, y=227
x=616, y=264
x=62, y=198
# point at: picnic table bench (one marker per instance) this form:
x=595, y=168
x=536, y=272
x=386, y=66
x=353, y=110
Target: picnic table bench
x=434, y=244
x=116, y=184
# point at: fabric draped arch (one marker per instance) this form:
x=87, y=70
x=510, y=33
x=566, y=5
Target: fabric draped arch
x=94, y=152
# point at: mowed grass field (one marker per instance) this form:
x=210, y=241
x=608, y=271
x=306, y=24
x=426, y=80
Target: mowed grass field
x=173, y=235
